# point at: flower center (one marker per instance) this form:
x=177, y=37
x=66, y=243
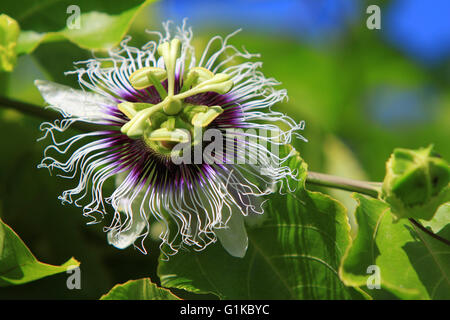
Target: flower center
x=171, y=121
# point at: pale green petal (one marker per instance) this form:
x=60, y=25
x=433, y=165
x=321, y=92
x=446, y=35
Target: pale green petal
x=74, y=102
x=124, y=239
x=234, y=237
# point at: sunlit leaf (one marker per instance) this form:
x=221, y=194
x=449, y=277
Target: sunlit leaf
x=89, y=24
x=142, y=289
x=17, y=263
x=412, y=264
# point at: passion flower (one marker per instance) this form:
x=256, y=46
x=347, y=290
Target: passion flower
x=153, y=105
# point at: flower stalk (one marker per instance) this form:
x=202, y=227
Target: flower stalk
x=372, y=189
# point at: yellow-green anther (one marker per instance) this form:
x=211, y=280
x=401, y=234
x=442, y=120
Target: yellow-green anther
x=220, y=83
x=170, y=52
x=221, y=88
x=203, y=74
x=149, y=76
x=130, y=109
x=139, y=106
x=136, y=126
x=218, y=78
x=203, y=119
x=195, y=76
x=191, y=110
x=143, y=78
x=195, y=108
x=127, y=109
x=163, y=134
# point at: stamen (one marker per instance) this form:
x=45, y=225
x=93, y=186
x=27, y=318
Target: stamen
x=127, y=109
x=130, y=109
x=203, y=119
x=190, y=111
x=195, y=76
x=220, y=83
x=148, y=76
x=163, y=134
x=136, y=126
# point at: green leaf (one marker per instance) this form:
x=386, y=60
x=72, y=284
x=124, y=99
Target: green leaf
x=293, y=254
x=100, y=26
x=142, y=289
x=412, y=264
x=440, y=219
x=9, y=32
x=17, y=263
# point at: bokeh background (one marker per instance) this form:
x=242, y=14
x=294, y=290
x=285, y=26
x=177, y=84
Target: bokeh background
x=361, y=92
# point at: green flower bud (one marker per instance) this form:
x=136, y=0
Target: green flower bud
x=417, y=183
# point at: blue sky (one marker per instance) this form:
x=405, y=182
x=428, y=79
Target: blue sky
x=420, y=28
